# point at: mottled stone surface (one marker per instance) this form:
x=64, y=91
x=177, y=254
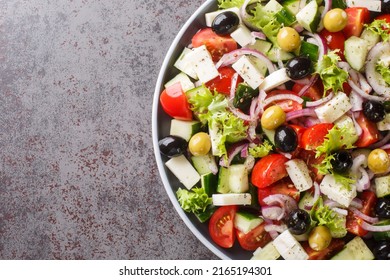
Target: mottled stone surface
x=77, y=173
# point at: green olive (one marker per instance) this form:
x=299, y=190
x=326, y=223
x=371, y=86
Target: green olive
x=288, y=39
x=335, y=20
x=273, y=117
x=378, y=161
x=319, y=238
x=200, y=144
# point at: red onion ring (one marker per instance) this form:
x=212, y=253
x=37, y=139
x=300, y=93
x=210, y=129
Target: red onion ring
x=357, y=126
x=244, y=16
x=252, y=108
x=382, y=142
x=356, y=203
x=307, y=112
x=364, y=182
x=340, y=211
x=363, y=94
x=373, y=228
x=233, y=85
x=277, y=228
x=282, y=97
x=385, y=147
x=363, y=216
x=364, y=85
x=360, y=160
x=327, y=7
x=312, y=81
x=356, y=101
x=287, y=202
x=320, y=101
x=258, y=35
x=272, y=212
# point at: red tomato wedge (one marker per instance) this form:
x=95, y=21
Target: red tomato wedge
x=216, y=44
x=287, y=105
x=354, y=223
x=283, y=186
x=254, y=239
x=370, y=133
x=269, y=170
x=174, y=102
x=357, y=17
x=314, y=136
x=221, y=226
x=334, y=41
x=223, y=82
x=314, y=93
x=335, y=246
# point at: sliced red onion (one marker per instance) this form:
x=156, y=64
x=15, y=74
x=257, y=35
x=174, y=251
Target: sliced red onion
x=282, y=97
x=360, y=160
x=244, y=151
x=197, y=83
x=260, y=107
x=298, y=28
x=252, y=131
x=364, y=182
x=364, y=85
x=310, y=121
x=373, y=228
x=327, y=7
x=233, y=56
x=332, y=204
x=286, y=155
x=385, y=147
x=382, y=142
x=356, y=203
x=363, y=216
x=272, y=212
x=359, y=91
x=286, y=201
x=233, y=85
x=312, y=81
x=279, y=60
x=307, y=112
x=238, y=113
x=373, y=77
x=258, y=35
x=244, y=16
x=317, y=192
x=340, y=211
x=356, y=101
x=319, y=101
x=252, y=108
x=277, y=228
x=304, y=81
x=356, y=125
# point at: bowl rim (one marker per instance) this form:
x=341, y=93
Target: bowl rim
x=157, y=154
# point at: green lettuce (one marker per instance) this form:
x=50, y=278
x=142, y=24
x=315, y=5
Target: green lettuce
x=322, y=215
x=226, y=4
x=380, y=27
x=261, y=150
x=331, y=75
x=194, y=201
x=384, y=70
x=212, y=110
x=266, y=21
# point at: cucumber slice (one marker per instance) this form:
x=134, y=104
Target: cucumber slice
x=309, y=16
x=355, y=249
x=356, y=51
x=285, y=17
x=184, y=129
x=209, y=182
x=245, y=222
x=275, y=57
x=223, y=182
x=261, y=46
x=268, y=252
x=203, y=163
x=204, y=216
x=371, y=37
x=238, y=178
x=183, y=79
x=270, y=134
x=310, y=50
x=382, y=186
x=293, y=6
x=306, y=201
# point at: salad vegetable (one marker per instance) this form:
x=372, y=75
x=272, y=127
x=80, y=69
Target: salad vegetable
x=280, y=128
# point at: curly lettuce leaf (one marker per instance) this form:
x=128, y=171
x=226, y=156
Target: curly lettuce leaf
x=266, y=22
x=261, y=150
x=331, y=75
x=336, y=139
x=226, y=4
x=322, y=215
x=381, y=28
x=194, y=201
x=384, y=70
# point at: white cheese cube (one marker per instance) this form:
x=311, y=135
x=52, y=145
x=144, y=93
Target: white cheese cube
x=337, y=191
x=248, y=71
x=183, y=170
x=275, y=79
x=372, y=5
x=242, y=35
x=384, y=124
x=334, y=108
x=203, y=64
x=183, y=79
x=299, y=174
x=209, y=17
x=232, y=199
x=289, y=248
x=184, y=64
x=215, y=133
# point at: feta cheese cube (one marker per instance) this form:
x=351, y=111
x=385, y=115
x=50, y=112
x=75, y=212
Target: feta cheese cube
x=184, y=171
x=275, y=79
x=242, y=35
x=248, y=71
x=183, y=79
x=299, y=174
x=203, y=64
x=336, y=191
x=334, y=108
x=184, y=64
x=289, y=248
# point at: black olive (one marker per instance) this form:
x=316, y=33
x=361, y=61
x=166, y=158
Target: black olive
x=374, y=110
x=382, y=208
x=286, y=139
x=172, y=146
x=381, y=250
x=385, y=7
x=298, y=221
x=225, y=23
x=298, y=67
x=342, y=161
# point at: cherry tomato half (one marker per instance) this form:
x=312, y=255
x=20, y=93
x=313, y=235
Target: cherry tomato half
x=221, y=226
x=269, y=170
x=284, y=186
x=335, y=41
x=254, y=239
x=174, y=102
x=314, y=136
x=370, y=133
x=216, y=44
x=357, y=17
x=223, y=82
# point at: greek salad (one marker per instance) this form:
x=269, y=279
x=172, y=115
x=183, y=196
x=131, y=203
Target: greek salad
x=280, y=128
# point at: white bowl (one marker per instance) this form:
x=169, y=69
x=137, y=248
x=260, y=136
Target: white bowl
x=160, y=129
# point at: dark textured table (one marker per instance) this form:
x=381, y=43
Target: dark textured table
x=78, y=178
